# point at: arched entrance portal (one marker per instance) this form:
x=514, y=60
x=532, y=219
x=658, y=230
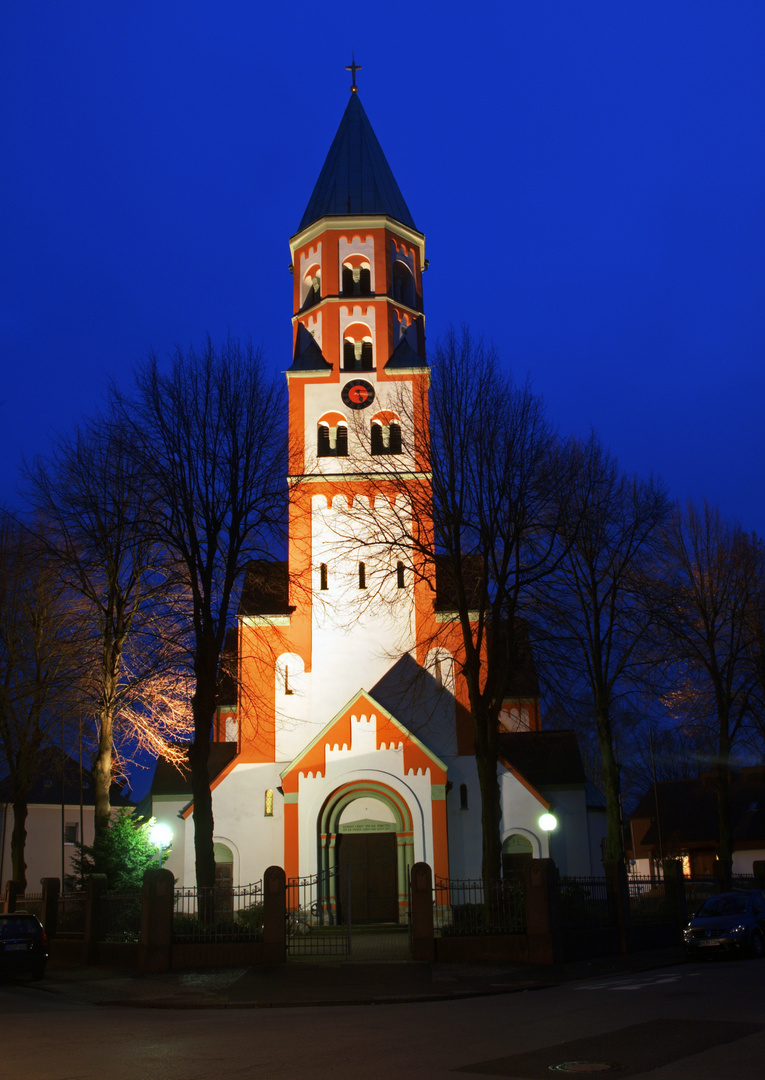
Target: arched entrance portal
x=366, y=842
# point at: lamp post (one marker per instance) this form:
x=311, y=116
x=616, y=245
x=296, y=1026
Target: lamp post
x=161, y=835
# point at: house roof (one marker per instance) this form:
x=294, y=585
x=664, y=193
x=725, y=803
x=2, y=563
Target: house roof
x=543, y=758
x=171, y=780
x=688, y=811
x=356, y=178
x=53, y=768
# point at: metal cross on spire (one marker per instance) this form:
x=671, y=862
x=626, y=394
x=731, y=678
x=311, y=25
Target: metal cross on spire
x=353, y=67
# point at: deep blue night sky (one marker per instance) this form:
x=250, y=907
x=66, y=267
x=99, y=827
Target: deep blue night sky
x=589, y=178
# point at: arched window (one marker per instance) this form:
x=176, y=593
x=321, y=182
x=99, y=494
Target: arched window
x=362, y=575
x=332, y=441
x=517, y=850
x=386, y=440
x=403, y=283
x=356, y=280
x=323, y=576
x=399, y=575
x=357, y=355
x=378, y=446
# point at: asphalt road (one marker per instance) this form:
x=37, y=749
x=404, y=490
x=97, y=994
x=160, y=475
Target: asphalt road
x=705, y=1021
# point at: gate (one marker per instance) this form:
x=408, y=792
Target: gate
x=315, y=907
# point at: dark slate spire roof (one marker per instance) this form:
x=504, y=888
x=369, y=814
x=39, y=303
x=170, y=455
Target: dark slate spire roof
x=356, y=178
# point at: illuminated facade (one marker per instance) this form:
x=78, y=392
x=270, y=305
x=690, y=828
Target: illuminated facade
x=350, y=741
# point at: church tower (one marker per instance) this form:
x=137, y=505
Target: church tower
x=344, y=751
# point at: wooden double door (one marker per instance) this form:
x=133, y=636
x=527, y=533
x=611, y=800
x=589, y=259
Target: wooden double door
x=370, y=861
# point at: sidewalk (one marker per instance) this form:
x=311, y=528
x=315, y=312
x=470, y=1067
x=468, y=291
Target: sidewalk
x=304, y=983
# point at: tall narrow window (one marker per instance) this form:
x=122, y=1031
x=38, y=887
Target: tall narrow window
x=323, y=448
x=437, y=672
x=287, y=688
x=394, y=439
x=365, y=281
x=341, y=445
x=347, y=281
x=399, y=575
x=378, y=447
x=349, y=355
x=366, y=356
x=268, y=810
x=463, y=797
x=323, y=576
x=362, y=576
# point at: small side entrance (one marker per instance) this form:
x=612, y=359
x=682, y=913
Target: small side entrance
x=369, y=860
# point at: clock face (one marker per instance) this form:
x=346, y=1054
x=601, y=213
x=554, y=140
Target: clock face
x=358, y=394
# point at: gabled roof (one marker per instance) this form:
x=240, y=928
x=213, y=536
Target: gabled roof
x=544, y=758
x=356, y=178
x=54, y=769
x=337, y=732
x=404, y=357
x=170, y=779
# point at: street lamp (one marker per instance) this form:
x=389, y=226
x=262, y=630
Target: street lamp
x=548, y=822
x=161, y=835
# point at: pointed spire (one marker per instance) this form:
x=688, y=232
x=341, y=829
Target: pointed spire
x=356, y=178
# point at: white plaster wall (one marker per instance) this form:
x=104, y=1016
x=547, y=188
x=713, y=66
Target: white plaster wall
x=357, y=633
x=743, y=860
x=166, y=809
x=569, y=842
x=256, y=841
x=322, y=398
x=43, y=845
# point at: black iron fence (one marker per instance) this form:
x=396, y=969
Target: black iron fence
x=70, y=922
x=31, y=903
x=469, y=908
x=319, y=916
x=585, y=901
x=120, y=916
x=221, y=913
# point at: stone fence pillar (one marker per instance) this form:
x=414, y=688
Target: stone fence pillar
x=49, y=913
x=619, y=899
x=421, y=912
x=157, y=901
x=274, y=915
x=543, y=926
x=674, y=890
x=758, y=869
x=13, y=889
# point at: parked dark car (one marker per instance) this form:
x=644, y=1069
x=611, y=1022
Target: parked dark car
x=23, y=945
x=733, y=921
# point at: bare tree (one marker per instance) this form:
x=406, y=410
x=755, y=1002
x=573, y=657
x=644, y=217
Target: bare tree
x=597, y=607
x=208, y=434
x=472, y=508
x=709, y=576
x=93, y=497
x=40, y=663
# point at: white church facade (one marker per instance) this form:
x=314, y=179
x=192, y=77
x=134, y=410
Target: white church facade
x=347, y=742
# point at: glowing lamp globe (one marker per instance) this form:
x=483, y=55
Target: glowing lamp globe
x=548, y=822
x=161, y=834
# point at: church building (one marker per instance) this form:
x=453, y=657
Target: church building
x=346, y=742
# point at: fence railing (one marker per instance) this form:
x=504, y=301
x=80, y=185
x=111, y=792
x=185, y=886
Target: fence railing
x=649, y=900
x=584, y=901
x=221, y=913
x=120, y=915
x=466, y=908
x=71, y=915
x=31, y=903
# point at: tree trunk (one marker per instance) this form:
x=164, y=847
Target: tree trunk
x=18, y=841
x=725, y=848
x=491, y=814
x=203, y=710
x=614, y=851
x=102, y=773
